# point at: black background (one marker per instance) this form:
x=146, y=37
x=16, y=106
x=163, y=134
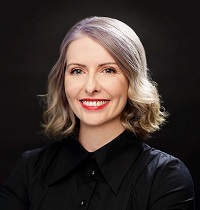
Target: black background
x=31, y=34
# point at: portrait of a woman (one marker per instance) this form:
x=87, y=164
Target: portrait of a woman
x=101, y=108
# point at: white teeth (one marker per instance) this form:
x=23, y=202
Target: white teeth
x=94, y=103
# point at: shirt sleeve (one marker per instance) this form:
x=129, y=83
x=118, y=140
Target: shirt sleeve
x=13, y=192
x=172, y=186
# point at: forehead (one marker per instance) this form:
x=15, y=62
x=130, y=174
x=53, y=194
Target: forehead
x=87, y=48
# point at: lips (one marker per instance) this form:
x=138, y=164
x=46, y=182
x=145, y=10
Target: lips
x=94, y=104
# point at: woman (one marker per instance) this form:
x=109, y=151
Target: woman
x=101, y=107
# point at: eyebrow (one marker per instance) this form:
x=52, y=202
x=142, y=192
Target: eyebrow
x=82, y=65
x=76, y=64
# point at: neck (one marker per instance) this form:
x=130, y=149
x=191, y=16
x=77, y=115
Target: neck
x=94, y=137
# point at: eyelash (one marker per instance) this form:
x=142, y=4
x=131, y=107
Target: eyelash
x=76, y=71
x=106, y=70
x=109, y=69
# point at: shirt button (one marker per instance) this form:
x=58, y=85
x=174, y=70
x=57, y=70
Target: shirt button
x=82, y=203
x=93, y=173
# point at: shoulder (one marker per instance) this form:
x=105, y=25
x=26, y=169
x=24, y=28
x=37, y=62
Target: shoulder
x=166, y=179
x=33, y=160
x=40, y=160
x=49, y=151
x=162, y=159
x=41, y=153
x=170, y=175
x=163, y=168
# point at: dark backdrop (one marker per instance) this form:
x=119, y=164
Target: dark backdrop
x=31, y=33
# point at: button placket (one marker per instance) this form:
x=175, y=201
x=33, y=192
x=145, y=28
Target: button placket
x=90, y=177
x=93, y=168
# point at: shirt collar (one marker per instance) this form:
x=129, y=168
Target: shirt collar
x=114, y=159
x=69, y=154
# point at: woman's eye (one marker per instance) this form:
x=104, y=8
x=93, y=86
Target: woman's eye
x=76, y=71
x=109, y=70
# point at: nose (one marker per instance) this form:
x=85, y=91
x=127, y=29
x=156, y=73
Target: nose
x=92, y=84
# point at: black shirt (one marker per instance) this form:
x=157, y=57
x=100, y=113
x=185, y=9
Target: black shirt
x=125, y=174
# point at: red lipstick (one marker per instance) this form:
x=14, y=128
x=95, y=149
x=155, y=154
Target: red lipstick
x=94, y=104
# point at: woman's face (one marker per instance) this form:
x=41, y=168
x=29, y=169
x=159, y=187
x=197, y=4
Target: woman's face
x=95, y=86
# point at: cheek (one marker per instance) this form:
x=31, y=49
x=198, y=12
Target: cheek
x=68, y=89
x=118, y=88
x=72, y=88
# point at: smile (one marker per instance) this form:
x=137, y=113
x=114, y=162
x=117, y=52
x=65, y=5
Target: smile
x=94, y=104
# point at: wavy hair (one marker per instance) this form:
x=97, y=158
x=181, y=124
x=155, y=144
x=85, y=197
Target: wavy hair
x=143, y=113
